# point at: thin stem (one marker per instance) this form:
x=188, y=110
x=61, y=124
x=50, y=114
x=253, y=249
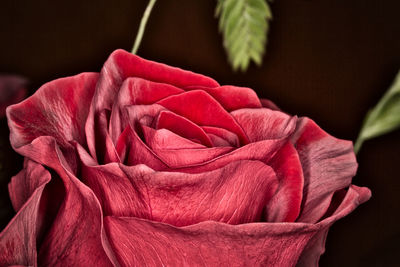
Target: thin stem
x=142, y=26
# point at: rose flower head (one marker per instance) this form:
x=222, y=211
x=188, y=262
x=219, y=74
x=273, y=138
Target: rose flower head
x=144, y=164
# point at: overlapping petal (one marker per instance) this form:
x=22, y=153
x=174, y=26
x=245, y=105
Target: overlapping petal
x=122, y=65
x=212, y=243
x=328, y=165
x=18, y=240
x=59, y=109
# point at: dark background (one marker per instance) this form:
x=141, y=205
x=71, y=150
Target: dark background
x=329, y=60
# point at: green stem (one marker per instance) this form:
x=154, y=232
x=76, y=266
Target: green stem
x=142, y=26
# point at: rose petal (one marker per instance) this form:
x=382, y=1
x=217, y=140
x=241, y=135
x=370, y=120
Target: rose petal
x=233, y=194
x=328, y=165
x=206, y=244
x=59, y=109
x=26, y=182
x=105, y=149
x=165, y=139
x=18, y=240
x=122, y=65
x=181, y=158
x=264, y=124
x=285, y=205
x=230, y=137
x=218, y=141
x=212, y=243
x=133, y=151
x=136, y=91
x=76, y=236
x=232, y=97
x=182, y=127
x=203, y=110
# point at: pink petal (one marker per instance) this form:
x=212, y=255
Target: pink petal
x=286, y=203
x=234, y=194
x=165, y=139
x=12, y=90
x=206, y=244
x=328, y=165
x=218, y=141
x=122, y=65
x=264, y=124
x=181, y=158
x=59, y=109
x=203, y=110
x=232, y=97
x=213, y=244
x=26, y=182
x=76, y=236
x=182, y=127
x=136, y=91
x=18, y=240
x=133, y=151
x=230, y=137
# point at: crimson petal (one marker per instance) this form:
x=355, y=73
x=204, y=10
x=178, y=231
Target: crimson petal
x=59, y=109
x=232, y=97
x=263, y=124
x=182, y=127
x=217, y=244
x=121, y=65
x=77, y=236
x=235, y=193
x=204, y=110
x=18, y=240
x=285, y=205
x=165, y=139
x=137, y=91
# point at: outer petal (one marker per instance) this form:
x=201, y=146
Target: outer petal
x=76, y=237
x=122, y=65
x=328, y=165
x=26, y=182
x=207, y=243
x=213, y=244
x=59, y=109
x=18, y=240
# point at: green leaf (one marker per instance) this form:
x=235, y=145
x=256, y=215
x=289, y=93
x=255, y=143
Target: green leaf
x=384, y=117
x=244, y=27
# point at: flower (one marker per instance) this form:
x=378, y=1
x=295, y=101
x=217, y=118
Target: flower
x=149, y=165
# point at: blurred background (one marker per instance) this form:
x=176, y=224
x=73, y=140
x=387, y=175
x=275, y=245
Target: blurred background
x=328, y=60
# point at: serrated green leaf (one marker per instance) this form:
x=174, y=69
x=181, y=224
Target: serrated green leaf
x=244, y=26
x=384, y=117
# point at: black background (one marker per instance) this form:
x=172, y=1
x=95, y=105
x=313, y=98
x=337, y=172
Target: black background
x=328, y=60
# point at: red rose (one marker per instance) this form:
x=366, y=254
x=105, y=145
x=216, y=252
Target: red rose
x=150, y=165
